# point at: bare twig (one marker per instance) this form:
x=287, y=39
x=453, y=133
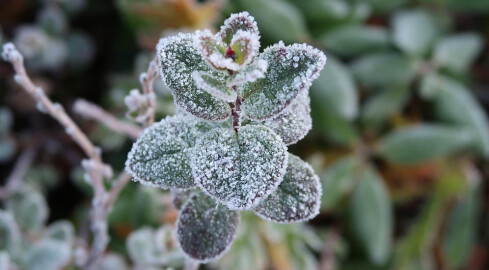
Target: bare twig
x=147, y=82
x=92, y=111
x=20, y=168
x=328, y=261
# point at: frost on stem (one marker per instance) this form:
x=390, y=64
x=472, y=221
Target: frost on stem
x=138, y=105
x=205, y=229
x=239, y=169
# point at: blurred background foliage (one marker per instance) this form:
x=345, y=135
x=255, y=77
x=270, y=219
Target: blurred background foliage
x=400, y=132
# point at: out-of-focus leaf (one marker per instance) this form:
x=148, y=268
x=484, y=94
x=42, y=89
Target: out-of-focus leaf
x=62, y=231
x=384, y=6
x=9, y=232
x=415, y=31
x=336, y=89
x=371, y=217
x=352, y=40
x=455, y=104
x=332, y=12
x=277, y=19
x=457, y=52
x=4, y=260
x=5, y=119
x=7, y=148
x=461, y=232
x=137, y=206
x=30, y=210
x=339, y=180
x=379, y=107
x=143, y=248
x=331, y=126
x=383, y=69
x=113, y=261
x=418, y=143
x=477, y=6
x=47, y=254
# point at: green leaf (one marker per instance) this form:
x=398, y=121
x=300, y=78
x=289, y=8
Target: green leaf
x=419, y=143
x=277, y=19
x=6, y=119
x=384, y=6
x=333, y=127
x=338, y=181
x=455, y=104
x=62, y=231
x=47, y=254
x=216, y=86
x=205, y=230
x=30, y=210
x=160, y=157
x=296, y=199
x=457, y=52
x=239, y=169
x=415, y=31
x=294, y=122
x=352, y=40
x=336, y=89
x=250, y=73
x=380, y=106
x=291, y=70
x=113, y=261
x=383, y=69
x=319, y=11
x=144, y=248
x=461, y=233
x=10, y=236
x=4, y=260
x=178, y=59
x=371, y=217
x=238, y=22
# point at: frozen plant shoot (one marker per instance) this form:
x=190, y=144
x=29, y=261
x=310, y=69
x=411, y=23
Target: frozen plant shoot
x=227, y=145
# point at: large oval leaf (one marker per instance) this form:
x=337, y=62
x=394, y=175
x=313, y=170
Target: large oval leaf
x=160, y=157
x=205, y=229
x=47, y=254
x=296, y=199
x=239, y=169
x=178, y=59
x=291, y=70
x=415, y=31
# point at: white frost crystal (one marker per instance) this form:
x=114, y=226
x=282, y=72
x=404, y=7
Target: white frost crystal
x=239, y=169
x=226, y=149
x=297, y=198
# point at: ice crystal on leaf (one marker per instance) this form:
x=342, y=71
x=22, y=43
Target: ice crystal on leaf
x=297, y=197
x=239, y=169
x=226, y=148
x=205, y=229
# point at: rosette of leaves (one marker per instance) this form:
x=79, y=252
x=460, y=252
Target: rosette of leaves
x=239, y=109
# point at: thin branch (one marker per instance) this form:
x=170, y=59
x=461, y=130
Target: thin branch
x=117, y=186
x=20, y=168
x=147, y=82
x=328, y=260
x=92, y=111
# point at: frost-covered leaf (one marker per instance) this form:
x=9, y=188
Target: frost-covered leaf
x=179, y=197
x=113, y=261
x=160, y=157
x=178, y=59
x=291, y=70
x=250, y=73
x=62, y=231
x=205, y=229
x=239, y=169
x=143, y=248
x=9, y=232
x=47, y=254
x=236, y=22
x=414, y=31
x=245, y=46
x=294, y=122
x=214, y=85
x=457, y=52
x=4, y=260
x=30, y=210
x=296, y=199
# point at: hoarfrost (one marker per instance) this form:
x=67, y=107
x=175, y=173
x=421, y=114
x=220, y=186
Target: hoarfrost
x=160, y=157
x=216, y=86
x=267, y=97
x=297, y=198
x=239, y=169
x=205, y=229
x=250, y=73
x=235, y=22
x=177, y=60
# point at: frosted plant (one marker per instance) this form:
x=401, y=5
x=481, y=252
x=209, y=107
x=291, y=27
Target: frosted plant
x=227, y=145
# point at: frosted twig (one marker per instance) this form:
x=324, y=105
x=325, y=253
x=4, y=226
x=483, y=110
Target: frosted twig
x=92, y=111
x=20, y=168
x=328, y=261
x=147, y=82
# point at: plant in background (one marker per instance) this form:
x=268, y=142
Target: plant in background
x=227, y=145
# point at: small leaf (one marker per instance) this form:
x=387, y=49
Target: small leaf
x=4, y=259
x=205, y=229
x=419, y=143
x=178, y=59
x=216, y=86
x=30, y=210
x=338, y=181
x=246, y=46
x=250, y=73
x=352, y=40
x=160, y=157
x=296, y=199
x=10, y=236
x=336, y=89
x=47, y=254
x=383, y=69
x=236, y=22
x=293, y=123
x=239, y=169
x=380, y=106
x=291, y=70
x=62, y=231
x=415, y=31
x=457, y=52
x=332, y=126
x=371, y=217
x=113, y=261
x=142, y=247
